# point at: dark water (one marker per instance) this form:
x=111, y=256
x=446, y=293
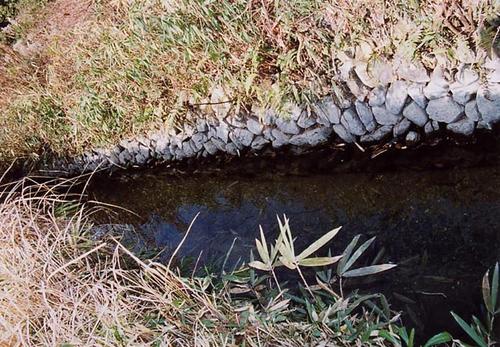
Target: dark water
x=441, y=226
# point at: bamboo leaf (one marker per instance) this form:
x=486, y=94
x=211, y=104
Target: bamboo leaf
x=358, y=253
x=280, y=305
x=369, y=270
x=404, y=335
x=494, y=287
x=286, y=252
x=275, y=248
x=470, y=331
x=389, y=337
x=487, y=292
x=318, y=243
x=319, y=261
x=264, y=242
x=289, y=264
x=290, y=237
x=346, y=254
x=259, y=265
x=438, y=339
x=262, y=251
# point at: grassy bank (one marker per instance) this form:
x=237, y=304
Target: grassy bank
x=61, y=286
x=78, y=74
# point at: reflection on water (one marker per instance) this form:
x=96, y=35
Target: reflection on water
x=441, y=227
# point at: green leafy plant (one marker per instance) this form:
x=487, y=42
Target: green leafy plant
x=400, y=337
x=283, y=253
x=349, y=257
x=482, y=333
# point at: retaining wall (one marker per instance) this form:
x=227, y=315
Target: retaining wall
x=404, y=104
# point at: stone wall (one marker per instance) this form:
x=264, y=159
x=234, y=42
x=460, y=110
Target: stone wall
x=404, y=104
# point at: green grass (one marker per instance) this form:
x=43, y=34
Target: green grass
x=132, y=66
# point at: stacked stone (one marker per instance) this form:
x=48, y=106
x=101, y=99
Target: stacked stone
x=404, y=103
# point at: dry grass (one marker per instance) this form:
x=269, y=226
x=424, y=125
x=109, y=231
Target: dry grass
x=91, y=72
x=59, y=288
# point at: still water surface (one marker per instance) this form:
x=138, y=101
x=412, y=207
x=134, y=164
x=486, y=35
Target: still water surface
x=442, y=227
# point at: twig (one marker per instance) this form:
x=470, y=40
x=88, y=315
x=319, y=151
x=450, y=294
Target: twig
x=182, y=241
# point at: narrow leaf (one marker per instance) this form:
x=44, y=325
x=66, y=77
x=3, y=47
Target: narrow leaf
x=368, y=270
x=262, y=251
x=319, y=261
x=389, y=337
x=487, y=292
x=358, y=253
x=346, y=254
x=411, y=343
x=404, y=335
x=470, y=331
x=259, y=265
x=280, y=305
x=494, y=287
x=319, y=243
x=287, y=263
x=438, y=339
x=264, y=243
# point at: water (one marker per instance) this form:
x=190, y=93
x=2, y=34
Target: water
x=441, y=226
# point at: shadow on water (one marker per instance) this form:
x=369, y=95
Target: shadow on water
x=441, y=226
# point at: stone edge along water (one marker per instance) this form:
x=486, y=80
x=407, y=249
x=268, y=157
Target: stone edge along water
x=404, y=103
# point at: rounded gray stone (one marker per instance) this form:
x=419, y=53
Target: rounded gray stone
x=488, y=103
x=187, y=149
x=268, y=134
x=197, y=141
x=365, y=115
x=352, y=123
x=416, y=114
x=259, y=142
x=311, y=137
x=305, y=120
x=412, y=137
x=244, y=136
x=376, y=97
x=378, y=135
x=221, y=145
x=471, y=111
x=416, y=93
x=401, y=128
x=254, y=126
x=342, y=132
x=438, y=87
x=287, y=126
x=384, y=117
x=429, y=128
x=223, y=131
x=396, y=96
x=465, y=126
x=143, y=151
x=465, y=86
x=231, y=149
x=444, y=109
x=210, y=147
x=279, y=138
x=327, y=111
x=162, y=144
